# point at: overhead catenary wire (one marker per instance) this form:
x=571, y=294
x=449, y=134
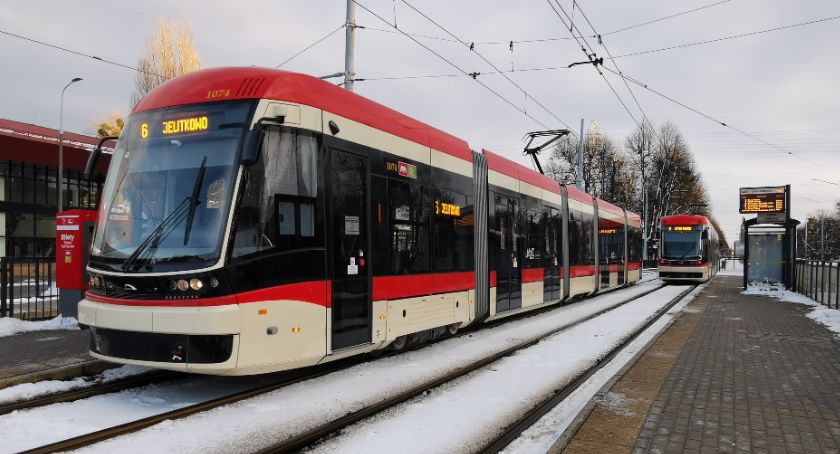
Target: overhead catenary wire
x=310, y=46
x=672, y=16
x=559, y=38
x=450, y=63
x=590, y=55
x=78, y=53
x=698, y=112
x=476, y=74
x=613, y=62
x=498, y=71
x=726, y=38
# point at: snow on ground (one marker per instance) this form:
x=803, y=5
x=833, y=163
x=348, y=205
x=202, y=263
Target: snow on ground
x=10, y=326
x=471, y=410
x=26, y=429
x=250, y=425
x=27, y=391
x=544, y=433
x=733, y=268
x=828, y=317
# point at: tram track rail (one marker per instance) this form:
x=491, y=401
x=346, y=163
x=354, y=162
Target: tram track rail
x=122, y=384
x=133, y=426
x=312, y=436
x=309, y=437
x=531, y=417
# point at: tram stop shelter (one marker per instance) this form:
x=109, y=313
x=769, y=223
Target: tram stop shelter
x=770, y=237
x=769, y=252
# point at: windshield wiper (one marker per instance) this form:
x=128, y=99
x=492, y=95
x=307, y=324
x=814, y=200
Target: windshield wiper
x=158, y=234
x=168, y=224
x=194, y=203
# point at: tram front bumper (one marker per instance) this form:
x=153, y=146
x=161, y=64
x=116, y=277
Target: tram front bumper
x=190, y=339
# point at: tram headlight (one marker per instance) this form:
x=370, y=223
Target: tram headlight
x=97, y=281
x=183, y=285
x=196, y=284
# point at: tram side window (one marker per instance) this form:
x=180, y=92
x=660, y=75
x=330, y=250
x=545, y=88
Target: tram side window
x=581, y=247
x=409, y=227
x=634, y=245
x=277, y=209
x=453, y=232
x=575, y=228
x=587, y=252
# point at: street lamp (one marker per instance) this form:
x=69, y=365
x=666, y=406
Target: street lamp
x=60, y=179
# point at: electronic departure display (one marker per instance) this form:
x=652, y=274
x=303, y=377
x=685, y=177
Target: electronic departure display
x=763, y=200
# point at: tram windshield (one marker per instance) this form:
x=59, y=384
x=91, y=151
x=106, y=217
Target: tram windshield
x=169, y=188
x=681, y=242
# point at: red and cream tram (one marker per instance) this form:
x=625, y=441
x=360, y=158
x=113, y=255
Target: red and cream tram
x=256, y=220
x=688, y=249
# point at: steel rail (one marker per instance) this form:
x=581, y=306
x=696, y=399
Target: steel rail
x=512, y=432
x=297, y=376
x=133, y=426
x=310, y=437
x=121, y=384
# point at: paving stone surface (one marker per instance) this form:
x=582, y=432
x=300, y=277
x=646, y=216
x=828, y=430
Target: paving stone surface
x=40, y=355
x=733, y=374
x=755, y=376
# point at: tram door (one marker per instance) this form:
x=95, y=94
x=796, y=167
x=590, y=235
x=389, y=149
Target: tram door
x=508, y=261
x=351, y=306
x=551, y=285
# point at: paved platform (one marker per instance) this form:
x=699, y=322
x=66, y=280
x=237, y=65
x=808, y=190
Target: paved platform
x=734, y=373
x=46, y=355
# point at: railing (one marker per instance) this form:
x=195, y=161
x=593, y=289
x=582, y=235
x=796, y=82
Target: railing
x=820, y=281
x=27, y=288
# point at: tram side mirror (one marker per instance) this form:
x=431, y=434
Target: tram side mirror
x=253, y=145
x=94, y=156
x=705, y=235
x=255, y=138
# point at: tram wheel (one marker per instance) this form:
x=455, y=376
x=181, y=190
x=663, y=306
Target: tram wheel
x=453, y=329
x=399, y=343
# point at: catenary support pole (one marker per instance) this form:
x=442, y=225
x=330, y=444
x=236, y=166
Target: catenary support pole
x=350, y=38
x=579, y=180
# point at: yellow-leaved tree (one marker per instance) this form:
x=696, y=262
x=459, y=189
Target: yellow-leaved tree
x=170, y=51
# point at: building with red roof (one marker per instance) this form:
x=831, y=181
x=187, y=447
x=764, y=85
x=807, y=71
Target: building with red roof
x=28, y=190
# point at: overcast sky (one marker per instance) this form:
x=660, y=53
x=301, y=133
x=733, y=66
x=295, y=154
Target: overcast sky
x=781, y=87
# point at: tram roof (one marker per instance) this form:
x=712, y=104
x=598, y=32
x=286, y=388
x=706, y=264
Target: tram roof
x=684, y=219
x=234, y=83
x=520, y=172
x=610, y=208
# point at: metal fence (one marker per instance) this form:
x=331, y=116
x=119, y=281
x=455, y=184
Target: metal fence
x=27, y=288
x=820, y=281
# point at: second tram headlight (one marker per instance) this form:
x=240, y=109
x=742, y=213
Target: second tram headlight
x=196, y=284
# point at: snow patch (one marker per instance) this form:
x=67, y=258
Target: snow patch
x=618, y=403
x=11, y=326
x=27, y=391
x=830, y=318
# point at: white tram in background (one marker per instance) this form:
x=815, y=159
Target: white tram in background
x=256, y=220
x=688, y=249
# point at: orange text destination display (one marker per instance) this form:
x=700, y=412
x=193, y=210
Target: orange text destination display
x=763, y=200
x=447, y=209
x=681, y=228
x=179, y=126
